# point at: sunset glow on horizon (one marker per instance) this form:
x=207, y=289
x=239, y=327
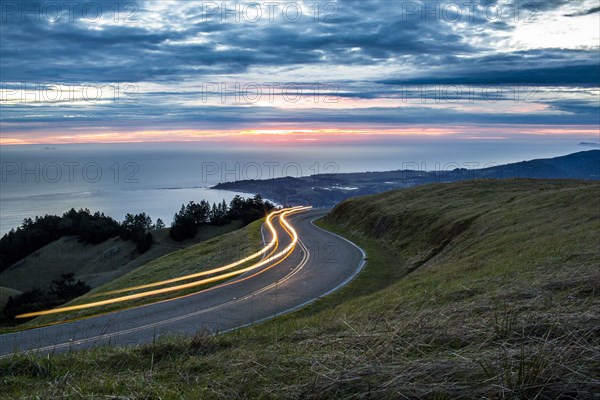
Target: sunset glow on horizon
x=279, y=136
x=342, y=71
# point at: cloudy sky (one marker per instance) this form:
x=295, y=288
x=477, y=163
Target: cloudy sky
x=109, y=71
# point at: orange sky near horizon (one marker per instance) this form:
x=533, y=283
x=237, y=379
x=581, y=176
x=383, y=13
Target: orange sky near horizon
x=271, y=135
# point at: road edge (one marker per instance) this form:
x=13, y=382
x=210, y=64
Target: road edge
x=346, y=281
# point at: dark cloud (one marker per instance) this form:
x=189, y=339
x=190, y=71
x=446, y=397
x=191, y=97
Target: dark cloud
x=567, y=75
x=584, y=12
x=75, y=49
x=361, y=33
x=189, y=44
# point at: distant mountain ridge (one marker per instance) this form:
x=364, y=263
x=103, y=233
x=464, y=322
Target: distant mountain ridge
x=581, y=165
x=330, y=189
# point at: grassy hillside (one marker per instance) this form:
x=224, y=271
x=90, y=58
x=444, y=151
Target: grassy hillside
x=480, y=289
x=95, y=264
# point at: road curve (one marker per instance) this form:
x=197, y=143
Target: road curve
x=320, y=263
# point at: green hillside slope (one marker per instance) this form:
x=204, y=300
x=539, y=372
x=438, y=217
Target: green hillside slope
x=96, y=264
x=480, y=289
x=211, y=253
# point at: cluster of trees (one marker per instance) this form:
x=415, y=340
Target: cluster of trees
x=137, y=227
x=249, y=210
x=89, y=228
x=35, y=234
x=191, y=216
x=96, y=228
x=37, y=299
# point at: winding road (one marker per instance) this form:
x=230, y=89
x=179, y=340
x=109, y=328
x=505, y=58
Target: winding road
x=316, y=263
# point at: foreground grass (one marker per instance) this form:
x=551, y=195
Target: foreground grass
x=209, y=254
x=504, y=305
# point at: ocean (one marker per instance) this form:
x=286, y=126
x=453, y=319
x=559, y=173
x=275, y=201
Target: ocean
x=157, y=178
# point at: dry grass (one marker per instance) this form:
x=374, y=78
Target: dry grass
x=507, y=308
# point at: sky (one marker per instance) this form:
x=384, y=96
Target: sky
x=151, y=71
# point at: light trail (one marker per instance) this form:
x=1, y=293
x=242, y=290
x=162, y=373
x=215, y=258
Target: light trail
x=189, y=315
x=285, y=252
x=233, y=282
x=273, y=242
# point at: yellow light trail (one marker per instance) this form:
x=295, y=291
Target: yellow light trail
x=241, y=279
x=233, y=282
x=273, y=242
x=286, y=251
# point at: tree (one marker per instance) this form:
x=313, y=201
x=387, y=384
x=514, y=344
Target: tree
x=198, y=213
x=31, y=300
x=144, y=242
x=135, y=228
x=36, y=299
x=159, y=224
x=133, y=225
x=142, y=222
x=249, y=210
x=188, y=219
x=35, y=233
x=236, y=206
x=218, y=214
x=67, y=288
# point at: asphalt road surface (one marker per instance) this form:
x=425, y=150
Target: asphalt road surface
x=320, y=263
